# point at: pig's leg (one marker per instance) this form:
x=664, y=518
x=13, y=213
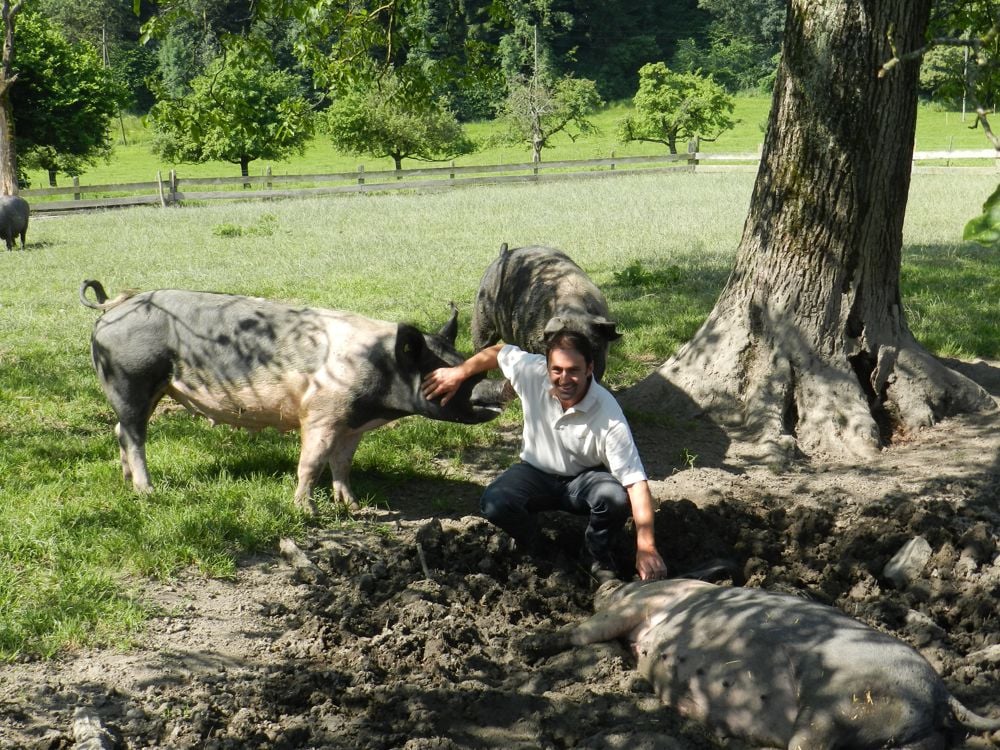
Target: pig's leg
x=321, y=441
x=814, y=730
x=340, y=467
x=133, y=403
x=132, y=452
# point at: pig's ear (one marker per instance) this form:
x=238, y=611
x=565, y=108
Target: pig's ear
x=409, y=344
x=607, y=329
x=555, y=325
x=450, y=329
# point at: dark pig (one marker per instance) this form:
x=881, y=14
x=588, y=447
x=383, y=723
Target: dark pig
x=253, y=363
x=774, y=669
x=14, y=212
x=529, y=291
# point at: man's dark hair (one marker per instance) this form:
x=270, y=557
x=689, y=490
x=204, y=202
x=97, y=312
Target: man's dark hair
x=566, y=339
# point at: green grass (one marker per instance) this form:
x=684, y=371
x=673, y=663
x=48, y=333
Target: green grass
x=133, y=160
x=74, y=540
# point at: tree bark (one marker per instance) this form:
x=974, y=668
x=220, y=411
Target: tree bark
x=808, y=347
x=8, y=152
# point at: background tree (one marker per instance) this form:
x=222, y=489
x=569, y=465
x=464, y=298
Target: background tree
x=943, y=75
x=740, y=45
x=972, y=77
x=609, y=40
x=539, y=107
x=238, y=111
x=671, y=106
x=113, y=28
x=808, y=346
x=64, y=102
x=473, y=41
x=453, y=43
x=396, y=117
x=8, y=77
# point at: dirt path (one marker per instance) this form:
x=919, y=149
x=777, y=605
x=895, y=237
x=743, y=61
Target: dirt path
x=403, y=632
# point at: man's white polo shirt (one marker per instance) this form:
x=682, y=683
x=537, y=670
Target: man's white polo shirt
x=592, y=433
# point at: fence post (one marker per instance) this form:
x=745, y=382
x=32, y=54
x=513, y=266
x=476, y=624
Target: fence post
x=76, y=186
x=267, y=173
x=361, y=174
x=451, y=174
x=159, y=186
x=612, y=161
x=173, y=187
x=534, y=160
x=693, y=153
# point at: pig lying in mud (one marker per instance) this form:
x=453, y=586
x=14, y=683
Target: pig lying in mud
x=529, y=291
x=252, y=363
x=773, y=669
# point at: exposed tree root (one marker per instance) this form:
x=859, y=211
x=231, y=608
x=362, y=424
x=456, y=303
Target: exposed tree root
x=791, y=400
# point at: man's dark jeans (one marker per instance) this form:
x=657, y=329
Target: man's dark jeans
x=512, y=500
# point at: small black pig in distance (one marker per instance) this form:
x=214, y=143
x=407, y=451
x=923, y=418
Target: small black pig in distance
x=14, y=213
x=530, y=291
x=253, y=363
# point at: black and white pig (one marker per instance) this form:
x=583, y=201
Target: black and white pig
x=530, y=291
x=254, y=363
x=774, y=669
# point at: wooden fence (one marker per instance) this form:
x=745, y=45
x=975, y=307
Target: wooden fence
x=173, y=190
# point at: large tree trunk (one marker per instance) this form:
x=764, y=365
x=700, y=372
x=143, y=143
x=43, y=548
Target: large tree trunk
x=8, y=153
x=808, y=347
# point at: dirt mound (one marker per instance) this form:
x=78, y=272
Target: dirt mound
x=405, y=632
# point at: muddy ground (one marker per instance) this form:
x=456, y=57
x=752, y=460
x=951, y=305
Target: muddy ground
x=404, y=631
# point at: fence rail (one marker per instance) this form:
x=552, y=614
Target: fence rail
x=174, y=190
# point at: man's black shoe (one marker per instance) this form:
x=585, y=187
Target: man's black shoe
x=603, y=573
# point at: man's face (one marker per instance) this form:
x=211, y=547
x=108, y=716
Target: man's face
x=569, y=374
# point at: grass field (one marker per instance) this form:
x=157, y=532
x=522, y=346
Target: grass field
x=74, y=540
x=134, y=162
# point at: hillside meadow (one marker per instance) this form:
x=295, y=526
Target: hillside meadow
x=75, y=542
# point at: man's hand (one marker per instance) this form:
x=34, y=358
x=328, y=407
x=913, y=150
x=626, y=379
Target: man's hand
x=445, y=381
x=650, y=565
x=442, y=383
x=648, y=562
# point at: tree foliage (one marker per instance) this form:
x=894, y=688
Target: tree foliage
x=239, y=110
x=972, y=26
x=539, y=107
x=113, y=28
x=396, y=117
x=610, y=40
x=466, y=49
x=985, y=228
x=673, y=106
x=64, y=100
x=741, y=44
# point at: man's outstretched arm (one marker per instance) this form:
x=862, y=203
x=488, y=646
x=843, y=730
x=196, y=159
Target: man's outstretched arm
x=443, y=382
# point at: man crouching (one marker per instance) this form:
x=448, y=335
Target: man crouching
x=577, y=454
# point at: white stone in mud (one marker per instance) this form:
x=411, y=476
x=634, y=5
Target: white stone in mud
x=907, y=565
